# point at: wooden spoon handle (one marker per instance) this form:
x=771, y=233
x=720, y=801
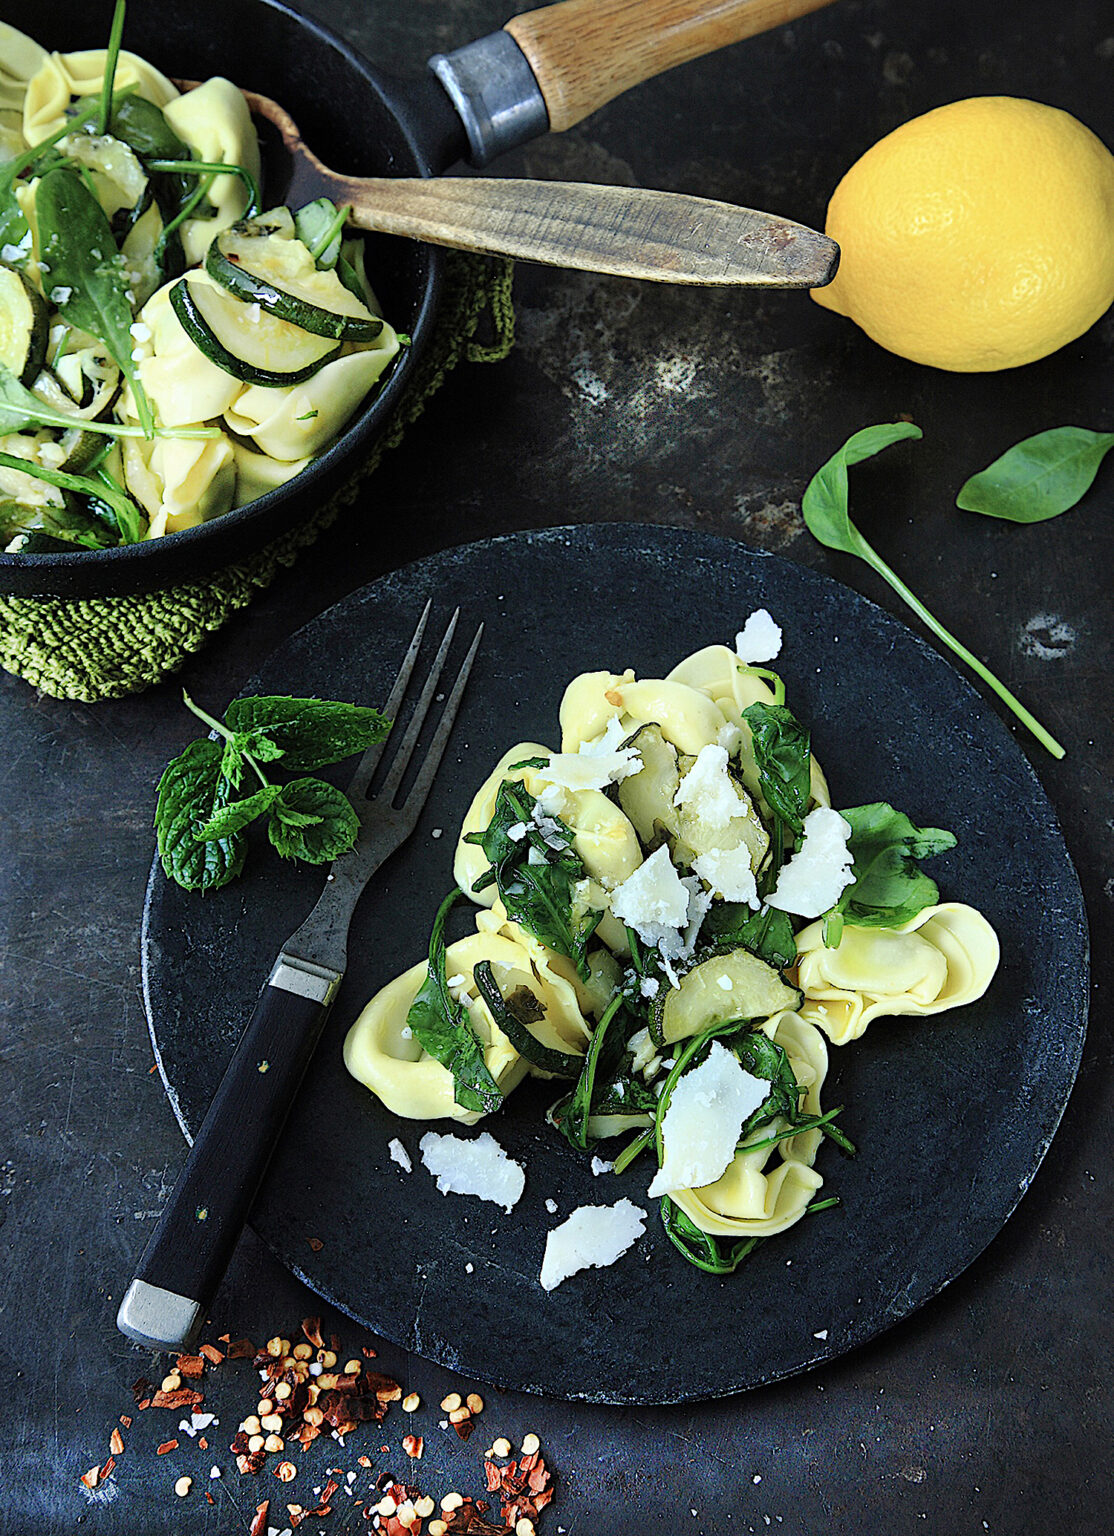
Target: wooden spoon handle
x=584, y=53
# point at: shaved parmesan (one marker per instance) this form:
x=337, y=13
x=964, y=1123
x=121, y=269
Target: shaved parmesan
x=652, y=899
x=706, y=1112
x=591, y=770
x=708, y=789
x=812, y=880
x=477, y=1167
x=593, y=1237
x=608, y=740
x=399, y=1155
x=759, y=639
x=728, y=872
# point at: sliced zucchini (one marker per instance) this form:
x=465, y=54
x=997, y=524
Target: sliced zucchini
x=695, y=835
x=24, y=325
x=118, y=175
x=514, y=1015
x=728, y=984
x=260, y=266
x=244, y=341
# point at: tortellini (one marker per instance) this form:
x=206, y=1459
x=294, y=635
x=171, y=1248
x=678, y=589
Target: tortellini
x=942, y=958
x=215, y=122
x=751, y=1198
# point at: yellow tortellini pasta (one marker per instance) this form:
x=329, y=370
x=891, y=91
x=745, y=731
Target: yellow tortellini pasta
x=215, y=122
x=942, y=958
x=63, y=76
x=20, y=60
x=764, y=1191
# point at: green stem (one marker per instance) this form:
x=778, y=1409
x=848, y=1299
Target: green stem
x=105, y=108
x=222, y=730
x=331, y=232
x=59, y=419
x=1044, y=737
x=775, y=682
x=634, y=1149
x=214, y=168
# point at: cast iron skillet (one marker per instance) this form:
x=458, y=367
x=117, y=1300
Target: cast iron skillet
x=362, y=122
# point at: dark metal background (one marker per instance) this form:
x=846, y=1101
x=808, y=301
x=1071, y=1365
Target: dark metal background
x=989, y=1408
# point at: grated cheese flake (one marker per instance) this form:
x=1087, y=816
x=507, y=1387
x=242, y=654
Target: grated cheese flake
x=476, y=1167
x=759, y=639
x=708, y=790
x=811, y=881
x=588, y=770
x=729, y=874
x=400, y=1155
x=706, y=1111
x=593, y=1237
x=652, y=899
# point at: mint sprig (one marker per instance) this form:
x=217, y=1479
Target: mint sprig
x=214, y=790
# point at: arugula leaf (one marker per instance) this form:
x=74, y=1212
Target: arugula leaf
x=767, y=933
x=192, y=791
x=540, y=896
x=79, y=249
x=310, y=733
x=440, y=1024
x=825, y=513
x=889, y=888
x=1039, y=477
x=782, y=753
x=312, y=820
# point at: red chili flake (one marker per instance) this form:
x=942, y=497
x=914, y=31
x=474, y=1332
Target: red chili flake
x=116, y=1442
x=211, y=1353
x=465, y=1428
x=167, y=1445
x=493, y=1475
x=363, y=1461
x=146, y=1403
x=315, y=1243
x=369, y=1354
x=209, y=1496
x=181, y=1397
x=412, y=1445
x=311, y=1327
x=140, y=1387
x=259, y=1524
x=154, y=1067
x=239, y=1349
x=126, y=1420
x=331, y=1487
x=251, y=1463
x=92, y=1477
x=106, y=1470
x=203, y=1444
x=190, y=1365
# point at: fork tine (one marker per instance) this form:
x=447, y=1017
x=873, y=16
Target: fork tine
x=417, y=719
x=420, y=787
x=370, y=760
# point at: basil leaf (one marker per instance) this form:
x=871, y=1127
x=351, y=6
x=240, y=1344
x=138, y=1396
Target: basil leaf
x=1038, y=478
x=440, y=1025
x=767, y=933
x=310, y=733
x=311, y=820
x=782, y=753
x=192, y=791
x=889, y=887
x=825, y=512
x=79, y=250
x=234, y=817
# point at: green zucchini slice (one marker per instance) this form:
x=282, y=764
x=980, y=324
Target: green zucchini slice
x=728, y=984
x=24, y=325
x=514, y=1015
x=243, y=340
x=266, y=268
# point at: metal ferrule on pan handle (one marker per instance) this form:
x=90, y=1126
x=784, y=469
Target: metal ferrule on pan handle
x=493, y=88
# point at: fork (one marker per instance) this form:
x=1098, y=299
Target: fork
x=182, y=1265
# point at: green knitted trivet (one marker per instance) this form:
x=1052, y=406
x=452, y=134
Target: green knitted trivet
x=105, y=647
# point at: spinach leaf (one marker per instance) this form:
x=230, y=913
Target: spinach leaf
x=313, y=821
x=79, y=250
x=889, y=888
x=51, y=528
x=1038, y=478
x=130, y=521
x=825, y=513
x=310, y=733
x=539, y=895
x=15, y=234
x=767, y=933
x=192, y=792
x=781, y=751
x=440, y=1024
x=714, y=1255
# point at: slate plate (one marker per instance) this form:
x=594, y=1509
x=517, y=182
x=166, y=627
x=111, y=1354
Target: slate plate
x=952, y=1115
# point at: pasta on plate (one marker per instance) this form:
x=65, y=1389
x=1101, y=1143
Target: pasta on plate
x=675, y=923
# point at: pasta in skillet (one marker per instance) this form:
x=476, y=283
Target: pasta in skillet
x=688, y=919
x=231, y=345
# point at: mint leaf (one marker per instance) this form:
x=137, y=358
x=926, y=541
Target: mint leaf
x=311, y=733
x=440, y=1025
x=311, y=820
x=191, y=792
x=1039, y=477
x=241, y=745
x=234, y=817
x=889, y=887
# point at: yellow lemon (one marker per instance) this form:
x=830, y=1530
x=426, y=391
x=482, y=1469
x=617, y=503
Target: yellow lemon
x=978, y=236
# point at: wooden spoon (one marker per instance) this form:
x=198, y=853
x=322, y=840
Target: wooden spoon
x=625, y=231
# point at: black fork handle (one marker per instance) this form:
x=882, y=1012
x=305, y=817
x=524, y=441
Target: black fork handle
x=190, y=1249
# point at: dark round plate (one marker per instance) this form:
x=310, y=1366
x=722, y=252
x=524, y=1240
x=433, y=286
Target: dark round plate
x=952, y=1114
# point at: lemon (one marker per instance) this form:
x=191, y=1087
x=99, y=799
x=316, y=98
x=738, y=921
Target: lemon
x=976, y=237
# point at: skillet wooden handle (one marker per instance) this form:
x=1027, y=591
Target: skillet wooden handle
x=584, y=53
